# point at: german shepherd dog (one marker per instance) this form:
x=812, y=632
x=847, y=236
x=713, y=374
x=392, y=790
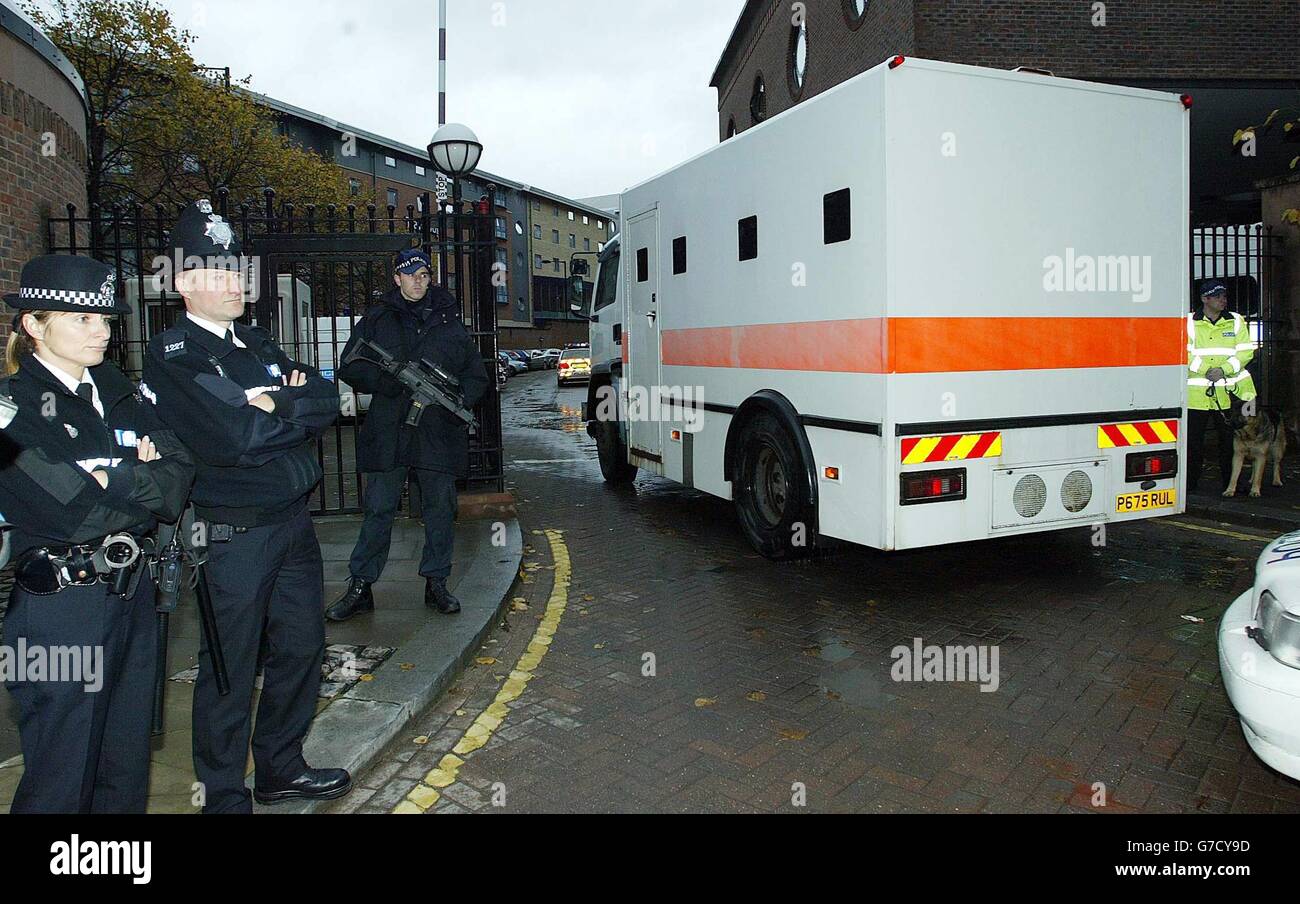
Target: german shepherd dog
x=1256, y=433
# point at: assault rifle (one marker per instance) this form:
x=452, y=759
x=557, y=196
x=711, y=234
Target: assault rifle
x=429, y=384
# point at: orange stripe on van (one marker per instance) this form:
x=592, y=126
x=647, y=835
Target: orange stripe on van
x=906, y=345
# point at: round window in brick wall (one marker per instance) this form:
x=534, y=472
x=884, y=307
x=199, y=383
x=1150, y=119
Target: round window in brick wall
x=855, y=11
x=758, y=100
x=798, y=68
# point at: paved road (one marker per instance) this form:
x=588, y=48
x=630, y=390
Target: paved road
x=677, y=671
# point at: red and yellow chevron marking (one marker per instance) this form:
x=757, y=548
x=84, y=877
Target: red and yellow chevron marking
x=1146, y=433
x=924, y=450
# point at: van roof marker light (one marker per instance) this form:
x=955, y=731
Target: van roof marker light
x=1187, y=101
x=897, y=61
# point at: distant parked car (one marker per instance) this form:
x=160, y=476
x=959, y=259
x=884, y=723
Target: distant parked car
x=544, y=359
x=1259, y=656
x=514, y=366
x=574, y=366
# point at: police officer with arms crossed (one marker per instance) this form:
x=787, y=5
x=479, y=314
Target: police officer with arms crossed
x=415, y=321
x=251, y=417
x=1219, y=347
x=86, y=472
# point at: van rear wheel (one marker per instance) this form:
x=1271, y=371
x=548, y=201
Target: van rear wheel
x=614, y=466
x=771, y=491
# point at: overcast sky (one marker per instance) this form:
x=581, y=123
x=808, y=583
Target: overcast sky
x=578, y=97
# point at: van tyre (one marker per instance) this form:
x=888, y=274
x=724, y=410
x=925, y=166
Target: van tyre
x=771, y=491
x=614, y=466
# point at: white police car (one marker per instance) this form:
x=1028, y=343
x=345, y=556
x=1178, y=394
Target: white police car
x=1259, y=656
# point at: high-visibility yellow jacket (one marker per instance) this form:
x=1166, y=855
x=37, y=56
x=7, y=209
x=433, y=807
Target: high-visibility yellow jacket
x=1225, y=344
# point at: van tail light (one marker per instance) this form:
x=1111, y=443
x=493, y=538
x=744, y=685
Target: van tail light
x=932, y=486
x=1140, y=467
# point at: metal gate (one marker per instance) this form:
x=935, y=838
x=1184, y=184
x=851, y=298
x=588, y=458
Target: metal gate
x=317, y=271
x=1248, y=260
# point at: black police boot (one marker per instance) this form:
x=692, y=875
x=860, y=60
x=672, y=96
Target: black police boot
x=357, y=598
x=314, y=784
x=437, y=596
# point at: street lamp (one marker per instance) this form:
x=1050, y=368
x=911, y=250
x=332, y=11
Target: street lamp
x=455, y=150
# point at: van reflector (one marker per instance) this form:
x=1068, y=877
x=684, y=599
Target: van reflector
x=1144, y=466
x=1145, y=433
x=932, y=486
x=925, y=450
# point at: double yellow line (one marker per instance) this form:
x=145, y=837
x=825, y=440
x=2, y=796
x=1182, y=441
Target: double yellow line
x=428, y=792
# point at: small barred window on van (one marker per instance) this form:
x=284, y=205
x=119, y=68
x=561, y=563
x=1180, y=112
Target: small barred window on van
x=836, y=219
x=679, y=255
x=748, y=238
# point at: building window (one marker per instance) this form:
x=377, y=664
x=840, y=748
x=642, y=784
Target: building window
x=537, y=205
x=557, y=211
x=855, y=11
x=537, y=232
x=555, y=265
x=389, y=161
x=354, y=187
x=600, y=247
x=758, y=100
x=392, y=197
x=537, y=262
x=419, y=171
x=748, y=229
x=571, y=216
x=643, y=265
x=573, y=240
x=586, y=244
x=555, y=236
x=836, y=222
x=798, y=68
x=586, y=221
x=679, y=255
x=600, y=224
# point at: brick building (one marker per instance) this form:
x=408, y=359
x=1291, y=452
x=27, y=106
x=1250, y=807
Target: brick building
x=531, y=310
x=42, y=142
x=1237, y=58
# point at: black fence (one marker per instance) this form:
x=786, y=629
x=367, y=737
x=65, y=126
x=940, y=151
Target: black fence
x=315, y=271
x=1249, y=261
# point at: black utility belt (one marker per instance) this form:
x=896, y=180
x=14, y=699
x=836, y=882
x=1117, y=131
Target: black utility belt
x=47, y=570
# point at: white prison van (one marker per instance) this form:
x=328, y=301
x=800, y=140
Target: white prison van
x=936, y=303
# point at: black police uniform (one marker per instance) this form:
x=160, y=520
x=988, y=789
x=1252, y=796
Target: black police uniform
x=83, y=751
x=255, y=473
x=436, y=452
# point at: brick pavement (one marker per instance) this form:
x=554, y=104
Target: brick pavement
x=772, y=678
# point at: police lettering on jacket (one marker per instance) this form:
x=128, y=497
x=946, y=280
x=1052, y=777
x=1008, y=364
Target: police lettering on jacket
x=254, y=467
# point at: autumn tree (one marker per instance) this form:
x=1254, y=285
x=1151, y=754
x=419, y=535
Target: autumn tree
x=158, y=131
x=1282, y=124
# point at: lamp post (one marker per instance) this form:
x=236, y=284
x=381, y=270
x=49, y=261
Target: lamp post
x=455, y=152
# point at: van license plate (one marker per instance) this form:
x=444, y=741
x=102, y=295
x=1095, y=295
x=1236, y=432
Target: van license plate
x=1145, y=502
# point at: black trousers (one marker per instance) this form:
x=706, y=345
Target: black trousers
x=1197, y=421
x=437, y=508
x=268, y=579
x=85, y=738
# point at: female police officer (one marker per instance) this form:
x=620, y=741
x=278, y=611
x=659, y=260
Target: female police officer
x=85, y=474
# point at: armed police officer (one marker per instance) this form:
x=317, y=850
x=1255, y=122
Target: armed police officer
x=87, y=474
x=251, y=417
x=415, y=322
